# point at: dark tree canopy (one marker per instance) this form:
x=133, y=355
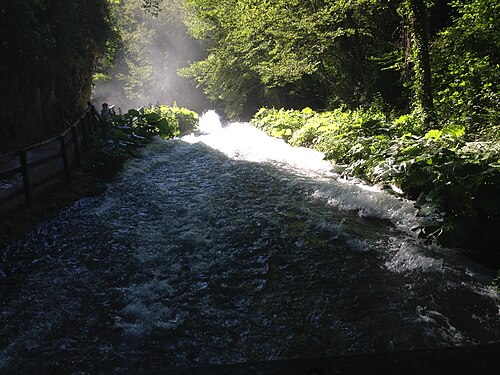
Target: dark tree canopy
x=324, y=53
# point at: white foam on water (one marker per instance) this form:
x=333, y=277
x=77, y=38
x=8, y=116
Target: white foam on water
x=367, y=201
x=239, y=141
x=408, y=257
x=439, y=328
x=209, y=122
x=245, y=142
x=224, y=245
x=221, y=244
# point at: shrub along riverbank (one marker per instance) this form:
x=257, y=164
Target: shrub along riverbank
x=452, y=175
x=135, y=129
x=111, y=146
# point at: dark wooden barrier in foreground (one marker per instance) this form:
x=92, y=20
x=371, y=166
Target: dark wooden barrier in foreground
x=35, y=169
x=482, y=359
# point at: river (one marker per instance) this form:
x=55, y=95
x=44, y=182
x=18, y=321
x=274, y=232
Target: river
x=230, y=246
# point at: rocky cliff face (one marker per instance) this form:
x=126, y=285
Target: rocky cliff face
x=28, y=111
x=51, y=52
x=31, y=108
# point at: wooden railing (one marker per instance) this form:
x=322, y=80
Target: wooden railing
x=35, y=169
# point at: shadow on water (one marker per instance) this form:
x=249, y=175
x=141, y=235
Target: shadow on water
x=192, y=257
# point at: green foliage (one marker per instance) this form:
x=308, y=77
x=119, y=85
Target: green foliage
x=465, y=59
x=282, y=50
x=327, y=54
x=172, y=121
x=456, y=183
x=415, y=15
x=137, y=128
x=496, y=282
x=140, y=67
x=187, y=120
x=284, y=122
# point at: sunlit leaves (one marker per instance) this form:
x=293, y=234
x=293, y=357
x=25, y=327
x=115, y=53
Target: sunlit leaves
x=433, y=134
x=280, y=46
x=466, y=68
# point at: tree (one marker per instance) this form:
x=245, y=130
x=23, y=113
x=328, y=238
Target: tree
x=417, y=14
x=286, y=49
x=142, y=67
x=466, y=67
x=439, y=57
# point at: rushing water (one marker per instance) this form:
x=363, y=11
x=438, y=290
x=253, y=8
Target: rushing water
x=231, y=246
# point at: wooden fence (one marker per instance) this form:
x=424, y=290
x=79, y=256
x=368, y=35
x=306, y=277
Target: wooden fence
x=35, y=169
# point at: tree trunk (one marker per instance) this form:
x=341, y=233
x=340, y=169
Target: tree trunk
x=422, y=67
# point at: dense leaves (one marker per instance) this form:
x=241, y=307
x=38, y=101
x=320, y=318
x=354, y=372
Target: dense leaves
x=467, y=67
x=438, y=58
x=136, y=128
x=164, y=121
x=142, y=61
x=318, y=53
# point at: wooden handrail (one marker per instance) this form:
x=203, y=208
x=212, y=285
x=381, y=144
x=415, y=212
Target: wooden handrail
x=88, y=122
x=26, y=176
x=12, y=195
x=45, y=160
x=9, y=172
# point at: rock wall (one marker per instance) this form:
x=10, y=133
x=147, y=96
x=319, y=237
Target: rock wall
x=51, y=50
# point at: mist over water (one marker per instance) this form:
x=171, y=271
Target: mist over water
x=209, y=122
x=227, y=246
x=153, y=49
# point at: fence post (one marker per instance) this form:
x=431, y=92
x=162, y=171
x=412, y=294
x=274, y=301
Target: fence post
x=84, y=132
x=75, y=142
x=26, y=177
x=96, y=121
x=90, y=121
x=61, y=115
x=94, y=117
x=64, y=152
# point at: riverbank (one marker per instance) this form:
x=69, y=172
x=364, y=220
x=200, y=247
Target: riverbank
x=452, y=174
x=89, y=180
x=111, y=148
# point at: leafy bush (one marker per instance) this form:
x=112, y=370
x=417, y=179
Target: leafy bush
x=187, y=120
x=136, y=128
x=281, y=123
x=166, y=122
x=456, y=185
